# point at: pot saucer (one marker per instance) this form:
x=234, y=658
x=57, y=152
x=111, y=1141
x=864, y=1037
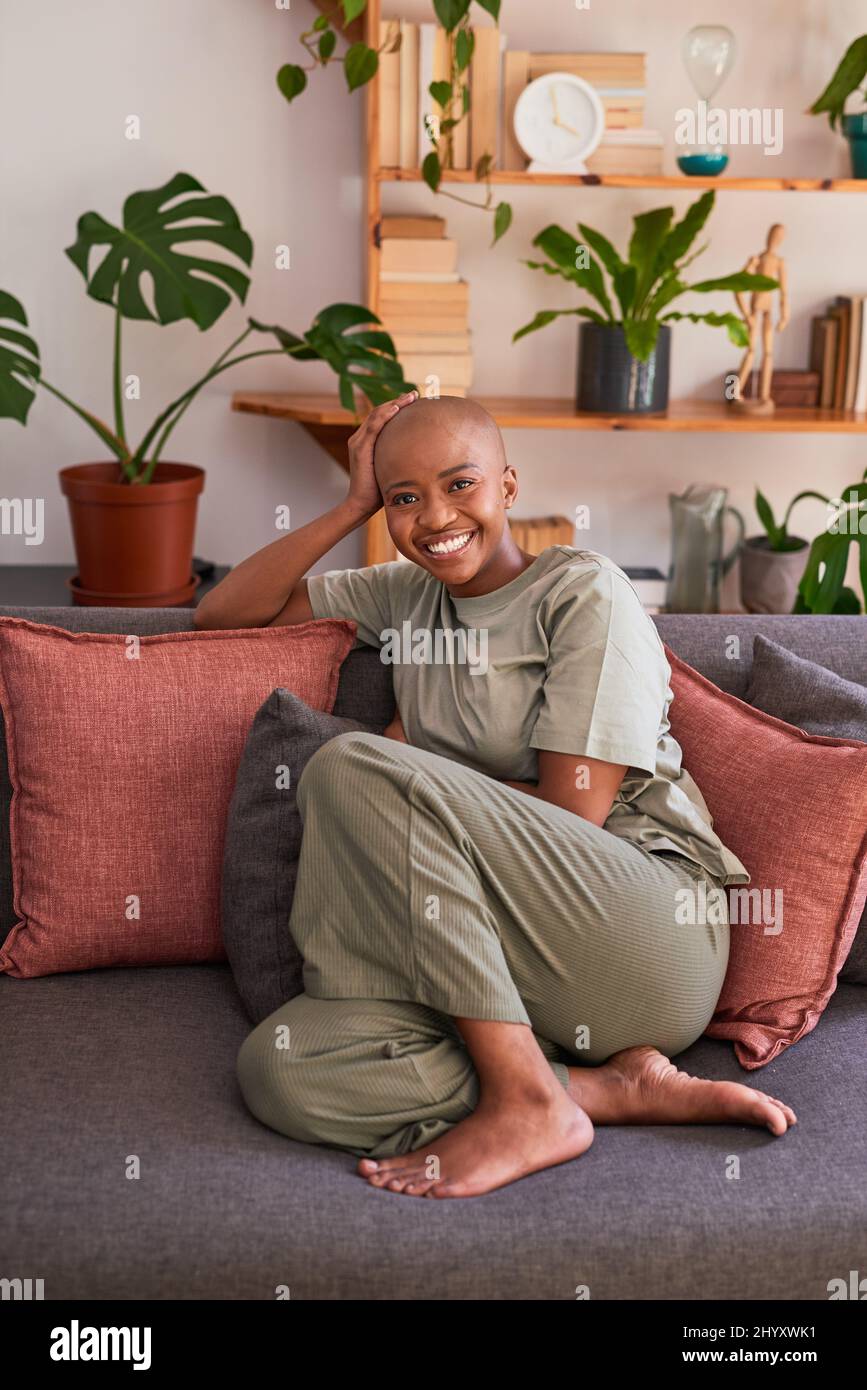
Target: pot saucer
x=171, y=598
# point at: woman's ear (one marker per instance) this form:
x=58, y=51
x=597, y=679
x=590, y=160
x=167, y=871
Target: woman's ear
x=510, y=486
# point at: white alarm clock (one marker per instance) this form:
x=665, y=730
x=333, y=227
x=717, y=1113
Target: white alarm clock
x=559, y=120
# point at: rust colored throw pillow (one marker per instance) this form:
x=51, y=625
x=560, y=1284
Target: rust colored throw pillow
x=122, y=756
x=793, y=807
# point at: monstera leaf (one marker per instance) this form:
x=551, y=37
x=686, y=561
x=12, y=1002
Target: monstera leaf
x=19, y=362
x=154, y=227
x=363, y=358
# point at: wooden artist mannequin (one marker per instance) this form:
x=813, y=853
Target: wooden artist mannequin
x=759, y=317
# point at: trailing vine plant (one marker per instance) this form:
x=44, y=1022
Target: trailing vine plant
x=451, y=96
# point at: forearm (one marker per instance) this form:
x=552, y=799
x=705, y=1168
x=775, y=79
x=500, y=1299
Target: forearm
x=255, y=591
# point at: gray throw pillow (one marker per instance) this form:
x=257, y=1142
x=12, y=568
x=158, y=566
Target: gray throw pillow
x=262, y=845
x=820, y=702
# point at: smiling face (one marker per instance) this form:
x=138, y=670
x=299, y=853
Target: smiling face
x=446, y=488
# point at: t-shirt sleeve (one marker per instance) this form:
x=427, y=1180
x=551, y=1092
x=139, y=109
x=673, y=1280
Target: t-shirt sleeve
x=606, y=681
x=361, y=594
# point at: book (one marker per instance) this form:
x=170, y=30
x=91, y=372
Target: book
x=650, y=585
x=622, y=112
x=789, y=387
x=822, y=345
x=434, y=66
x=455, y=367
x=840, y=311
x=860, y=400
x=484, y=94
x=439, y=297
x=416, y=341
x=516, y=67
x=408, y=94
x=414, y=321
x=419, y=277
x=626, y=157
x=599, y=69
x=389, y=97
x=437, y=255
x=399, y=225
x=855, y=303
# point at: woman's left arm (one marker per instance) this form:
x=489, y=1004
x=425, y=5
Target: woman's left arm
x=585, y=786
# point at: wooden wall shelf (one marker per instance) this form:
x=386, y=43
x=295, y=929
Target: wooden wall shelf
x=324, y=412
x=519, y=177
x=324, y=419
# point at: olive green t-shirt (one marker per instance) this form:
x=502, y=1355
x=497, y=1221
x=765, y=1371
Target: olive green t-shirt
x=563, y=657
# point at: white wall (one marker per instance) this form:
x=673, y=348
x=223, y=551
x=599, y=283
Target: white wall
x=200, y=75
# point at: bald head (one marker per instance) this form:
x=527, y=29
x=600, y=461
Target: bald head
x=449, y=430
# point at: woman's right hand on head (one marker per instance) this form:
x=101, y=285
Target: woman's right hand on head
x=363, y=487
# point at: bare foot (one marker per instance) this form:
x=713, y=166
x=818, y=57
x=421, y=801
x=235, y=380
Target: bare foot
x=504, y=1139
x=640, y=1086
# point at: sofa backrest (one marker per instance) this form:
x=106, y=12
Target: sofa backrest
x=365, y=690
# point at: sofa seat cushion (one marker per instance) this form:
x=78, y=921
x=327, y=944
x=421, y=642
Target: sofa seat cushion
x=124, y=1062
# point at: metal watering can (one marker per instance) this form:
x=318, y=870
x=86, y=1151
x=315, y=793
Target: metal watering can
x=698, y=562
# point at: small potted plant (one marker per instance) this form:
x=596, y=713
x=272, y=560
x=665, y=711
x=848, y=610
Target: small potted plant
x=624, y=357
x=133, y=517
x=772, y=565
x=822, y=588
x=851, y=72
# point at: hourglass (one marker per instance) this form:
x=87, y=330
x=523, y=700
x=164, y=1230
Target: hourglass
x=708, y=54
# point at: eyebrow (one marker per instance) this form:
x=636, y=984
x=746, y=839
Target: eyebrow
x=458, y=468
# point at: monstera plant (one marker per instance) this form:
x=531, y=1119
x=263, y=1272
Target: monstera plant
x=143, y=270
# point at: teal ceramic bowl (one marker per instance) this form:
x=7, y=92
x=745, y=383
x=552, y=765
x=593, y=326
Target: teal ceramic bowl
x=706, y=165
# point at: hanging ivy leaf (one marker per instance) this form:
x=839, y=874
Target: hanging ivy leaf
x=154, y=224
x=441, y=93
x=483, y=167
x=360, y=65
x=320, y=23
x=19, y=362
x=291, y=80
x=464, y=45
x=450, y=12
x=352, y=9
x=492, y=7
x=432, y=171
x=327, y=45
x=502, y=221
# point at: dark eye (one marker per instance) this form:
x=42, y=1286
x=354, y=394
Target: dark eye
x=401, y=496
x=462, y=483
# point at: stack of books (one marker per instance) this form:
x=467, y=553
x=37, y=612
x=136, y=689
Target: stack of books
x=627, y=147
x=406, y=106
x=424, y=304
x=838, y=352
x=496, y=78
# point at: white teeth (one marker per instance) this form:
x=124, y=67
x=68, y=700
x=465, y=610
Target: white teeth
x=446, y=547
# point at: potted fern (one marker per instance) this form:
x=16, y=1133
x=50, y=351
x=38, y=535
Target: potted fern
x=624, y=351
x=773, y=564
x=850, y=74
x=133, y=516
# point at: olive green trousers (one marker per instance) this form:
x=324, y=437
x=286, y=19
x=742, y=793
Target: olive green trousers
x=428, y=892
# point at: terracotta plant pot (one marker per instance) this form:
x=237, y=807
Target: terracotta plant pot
x=133, y=542
x=770, y=578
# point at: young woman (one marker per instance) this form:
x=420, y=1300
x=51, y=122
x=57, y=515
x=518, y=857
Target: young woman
x=495, y=887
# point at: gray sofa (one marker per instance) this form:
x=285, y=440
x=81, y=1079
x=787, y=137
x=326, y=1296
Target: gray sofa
x=101, y=1065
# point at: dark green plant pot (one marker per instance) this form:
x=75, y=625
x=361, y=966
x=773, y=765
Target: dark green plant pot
x=855, y=130
x=612, y=381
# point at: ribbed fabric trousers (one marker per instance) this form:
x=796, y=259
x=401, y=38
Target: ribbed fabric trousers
x=427, y=892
